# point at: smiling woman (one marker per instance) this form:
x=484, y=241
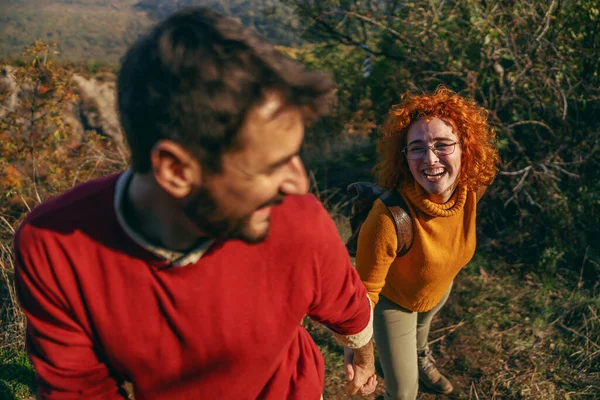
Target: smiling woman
x=432, y=157
x=468, y=121
x=439, y=153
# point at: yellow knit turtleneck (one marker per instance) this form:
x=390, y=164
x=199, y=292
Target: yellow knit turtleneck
x=444, y=241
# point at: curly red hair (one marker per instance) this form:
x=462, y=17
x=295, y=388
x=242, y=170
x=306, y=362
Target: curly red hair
x=469, y=120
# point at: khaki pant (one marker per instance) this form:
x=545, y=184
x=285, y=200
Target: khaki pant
x=398, y=334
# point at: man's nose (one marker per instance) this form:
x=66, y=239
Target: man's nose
x=296, y=181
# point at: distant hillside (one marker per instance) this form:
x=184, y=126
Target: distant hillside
x=104, y=29
x=269, y=17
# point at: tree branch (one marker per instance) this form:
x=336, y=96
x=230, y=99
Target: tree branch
x=377, y=24
x=531, y=122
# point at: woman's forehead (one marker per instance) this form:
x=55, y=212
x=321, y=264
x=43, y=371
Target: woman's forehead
x=430, y=128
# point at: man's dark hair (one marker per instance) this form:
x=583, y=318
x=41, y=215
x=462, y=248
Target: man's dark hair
x=194, y=78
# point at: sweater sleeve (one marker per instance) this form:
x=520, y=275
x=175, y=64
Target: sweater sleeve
x=63, y=355
x=377, y=243
x=340, y=301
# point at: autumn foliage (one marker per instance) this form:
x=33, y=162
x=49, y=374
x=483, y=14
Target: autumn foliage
x=43, y=150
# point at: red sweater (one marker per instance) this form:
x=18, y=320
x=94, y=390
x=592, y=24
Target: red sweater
x=101, y=309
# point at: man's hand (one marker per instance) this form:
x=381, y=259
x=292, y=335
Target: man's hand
x=359, y=365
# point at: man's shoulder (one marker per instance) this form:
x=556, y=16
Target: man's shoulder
x=82, y=205
x=303, y=219
x=302, y=203
x=302, y=210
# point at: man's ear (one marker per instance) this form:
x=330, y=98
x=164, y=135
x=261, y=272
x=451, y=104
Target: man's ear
x=175, y=169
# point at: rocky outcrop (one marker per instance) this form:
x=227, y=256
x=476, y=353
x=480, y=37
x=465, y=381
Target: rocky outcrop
x=95, y=110
x=9, y=92
x=98, y=105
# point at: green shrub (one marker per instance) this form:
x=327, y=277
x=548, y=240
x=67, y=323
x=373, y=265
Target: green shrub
x=532, y=64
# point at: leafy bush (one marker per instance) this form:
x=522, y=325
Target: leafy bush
x=532, y=64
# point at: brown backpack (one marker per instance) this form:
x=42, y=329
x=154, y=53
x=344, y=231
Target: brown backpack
x=363, y=195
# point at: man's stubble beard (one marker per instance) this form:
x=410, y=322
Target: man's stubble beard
x=203, y=211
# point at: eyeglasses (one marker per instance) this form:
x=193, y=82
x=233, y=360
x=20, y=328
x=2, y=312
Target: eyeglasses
x=417, y=151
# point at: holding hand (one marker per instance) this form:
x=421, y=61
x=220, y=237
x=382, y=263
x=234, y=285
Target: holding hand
x=359, y=365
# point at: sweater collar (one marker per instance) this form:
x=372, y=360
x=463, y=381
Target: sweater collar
x=417, y=197
x=175, y=258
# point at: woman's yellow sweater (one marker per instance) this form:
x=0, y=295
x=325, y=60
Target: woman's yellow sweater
x=444, y=241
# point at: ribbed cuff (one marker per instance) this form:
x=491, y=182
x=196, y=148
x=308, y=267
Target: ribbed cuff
x=359, y=339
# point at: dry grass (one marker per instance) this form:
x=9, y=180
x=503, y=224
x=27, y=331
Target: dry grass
x=16, y=375
x=501, y=338
x=12, y=320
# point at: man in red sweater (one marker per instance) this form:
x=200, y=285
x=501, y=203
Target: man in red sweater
x=189, y=274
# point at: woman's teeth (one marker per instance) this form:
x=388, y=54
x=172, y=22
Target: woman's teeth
x=435, y=173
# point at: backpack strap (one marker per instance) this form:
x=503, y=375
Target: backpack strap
x=404, y=224
x=363, y=194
